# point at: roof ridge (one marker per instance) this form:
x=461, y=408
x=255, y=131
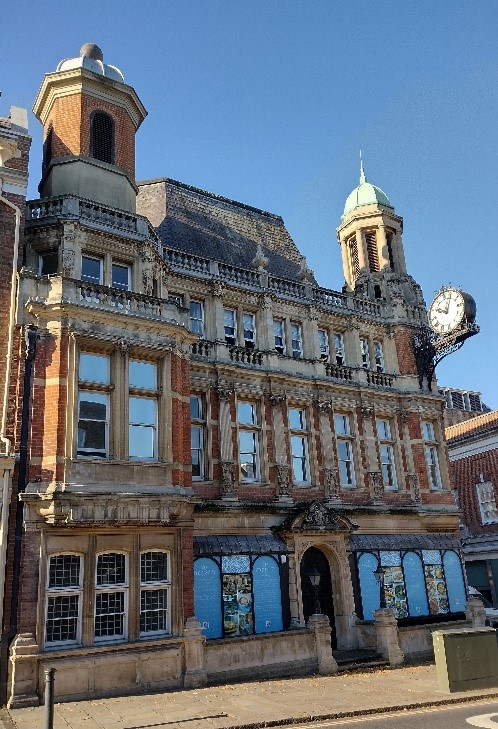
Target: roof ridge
x=212, y=195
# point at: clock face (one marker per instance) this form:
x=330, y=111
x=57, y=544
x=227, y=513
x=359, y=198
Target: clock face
x=447, y=311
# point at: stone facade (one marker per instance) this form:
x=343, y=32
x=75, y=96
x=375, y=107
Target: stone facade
x=210, y=427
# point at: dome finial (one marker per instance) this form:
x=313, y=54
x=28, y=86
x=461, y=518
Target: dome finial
x=363, y=177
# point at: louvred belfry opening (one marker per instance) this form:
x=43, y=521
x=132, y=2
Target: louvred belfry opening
x=102, y=137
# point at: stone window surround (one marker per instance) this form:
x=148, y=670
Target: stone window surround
x=239, y=338
x=88, y=589
x=119, y=393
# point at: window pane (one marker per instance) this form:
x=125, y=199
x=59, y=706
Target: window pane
x=111, y=569
x=384, y=429
x=342, y=426
x=297, y=419
x=62, y=618
x=153, y=611
x=427, y=431
x=120, y=276
x=247, y=442
x=91, y=269
x=49, y=263
x=143, y=374
x=153, y=567
x=246, y=413
x=94, y=368
x=109, y=614
x=64, y=571
x=142, y=440
x=196, y=437
x=92, y=424
x=196, y=318
x=195, y=407
x=143, y=411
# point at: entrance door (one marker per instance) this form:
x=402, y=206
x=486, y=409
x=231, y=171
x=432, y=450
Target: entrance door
x=315, y=561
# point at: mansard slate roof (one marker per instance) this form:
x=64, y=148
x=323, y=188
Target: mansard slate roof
x=204, y=224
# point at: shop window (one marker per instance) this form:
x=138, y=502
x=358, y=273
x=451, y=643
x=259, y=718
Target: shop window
x=197, y=318
x=487, y=502
x=248, y=427
x=238, y=595
x=111, y=597
x=63, y=600
x=386, y=450
x=299, y=437
x=197, y=431
x=344, y=442
x=102, y=137
x=154, y=593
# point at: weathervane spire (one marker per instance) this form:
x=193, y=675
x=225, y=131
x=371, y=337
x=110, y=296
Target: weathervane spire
x=363, y=177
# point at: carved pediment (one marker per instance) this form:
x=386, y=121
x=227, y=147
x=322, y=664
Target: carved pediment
x=317, y=517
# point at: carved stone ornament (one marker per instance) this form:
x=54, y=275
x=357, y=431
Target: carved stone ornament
x=218, y=289
x=312, y=314
x=324, y=405
x=260, y=261
x=377, y=484
x=265, y=302
x=404, y=416
x=277, y=401
x=145, y=252
x=332, y=483
x=68, y=260
x=367, y=411
x=122, y=346
x=227, y=478
x=283, y=479
x=353, y=324
x=317, y=517
x=414, y=486
x=224, y=393
x=305, y=273
x=148, y=281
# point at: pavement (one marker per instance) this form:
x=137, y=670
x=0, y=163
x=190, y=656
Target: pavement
x=255, y=704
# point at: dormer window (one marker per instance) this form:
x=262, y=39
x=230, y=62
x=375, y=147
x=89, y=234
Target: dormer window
x=102, y=137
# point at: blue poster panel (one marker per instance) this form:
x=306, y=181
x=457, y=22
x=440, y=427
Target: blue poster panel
x=207, y=596
x=370, y=590
x=415, y=585
x=267, y=597
x=454, y=582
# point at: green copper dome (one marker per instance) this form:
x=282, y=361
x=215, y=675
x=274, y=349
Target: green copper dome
x=365, y=194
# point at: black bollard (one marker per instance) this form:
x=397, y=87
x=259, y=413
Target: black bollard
x=49, y=697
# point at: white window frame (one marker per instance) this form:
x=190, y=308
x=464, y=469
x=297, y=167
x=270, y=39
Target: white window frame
x=111, y=588
x=144, y=393
x=200, y=425
x=197, y=323
x=323, y=344
x=279, y=336
x=339, y=356
x=155, y=586
x=431, y=448
x=365, y=353
x=379, y=356
x=230, y=326
x=296, y=339
x=486, y=498
x=344, y=436
x=101, y=269
x=61, y=592
x=249, y=341
x=386, y=452
x=300, y=434
x=254, y=429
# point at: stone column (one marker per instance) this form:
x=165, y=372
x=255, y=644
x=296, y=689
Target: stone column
x=386, y=629
x=475, y=612
x=195, y=663
x=226, y=444
x=295, y=621
x=326, y=662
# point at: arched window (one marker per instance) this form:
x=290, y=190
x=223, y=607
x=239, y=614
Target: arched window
x=47, y=147
x=102, y=137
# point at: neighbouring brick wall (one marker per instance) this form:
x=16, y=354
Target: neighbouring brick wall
x=403, y=338
x=466, y=473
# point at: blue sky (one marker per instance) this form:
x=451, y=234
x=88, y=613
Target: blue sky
x=269, y=102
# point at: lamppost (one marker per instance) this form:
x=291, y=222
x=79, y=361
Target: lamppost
x=380, y=576
x=315, y=576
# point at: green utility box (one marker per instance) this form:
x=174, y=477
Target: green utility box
x=466, y=659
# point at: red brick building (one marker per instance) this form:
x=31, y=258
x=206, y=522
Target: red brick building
x=209, y=428
x=473, y=451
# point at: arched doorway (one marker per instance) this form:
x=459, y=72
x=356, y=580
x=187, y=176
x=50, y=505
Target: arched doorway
x=314, y=558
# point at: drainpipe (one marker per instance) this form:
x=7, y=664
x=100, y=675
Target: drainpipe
x=7, y=476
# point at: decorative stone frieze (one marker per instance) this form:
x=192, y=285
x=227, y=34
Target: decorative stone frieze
x=317, y=517
x=123, y=346
x=224, y=393
x=218, y=289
